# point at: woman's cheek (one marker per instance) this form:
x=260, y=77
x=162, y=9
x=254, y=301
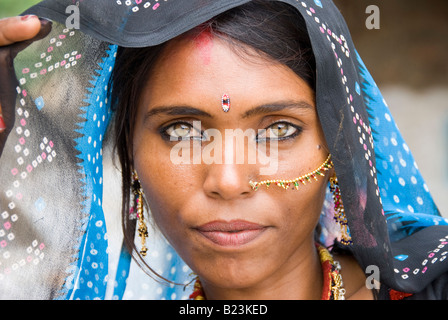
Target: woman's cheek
x=166, y=187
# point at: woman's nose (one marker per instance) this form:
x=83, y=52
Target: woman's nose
x=237, y=157
x=227, y=181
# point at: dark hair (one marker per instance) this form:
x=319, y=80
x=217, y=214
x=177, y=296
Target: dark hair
x=275, y=30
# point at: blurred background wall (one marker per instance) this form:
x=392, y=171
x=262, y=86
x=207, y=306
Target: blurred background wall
x=408, y=58
x=10, y=8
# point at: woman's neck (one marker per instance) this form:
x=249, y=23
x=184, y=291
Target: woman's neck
x=300, y=278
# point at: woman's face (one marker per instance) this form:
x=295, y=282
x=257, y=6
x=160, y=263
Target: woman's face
x=230, y=235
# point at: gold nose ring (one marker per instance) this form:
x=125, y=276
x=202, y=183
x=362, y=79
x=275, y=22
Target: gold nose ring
x=295, y=183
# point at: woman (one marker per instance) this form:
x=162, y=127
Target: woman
x=244, y=233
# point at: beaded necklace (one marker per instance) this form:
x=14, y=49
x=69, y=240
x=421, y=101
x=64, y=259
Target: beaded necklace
x=332, y=285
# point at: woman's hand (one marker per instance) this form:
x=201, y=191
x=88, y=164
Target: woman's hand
x=16, y=34
x=17, y=29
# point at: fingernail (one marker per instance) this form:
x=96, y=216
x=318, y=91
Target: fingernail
x=27, y=17
x=2, y=123
x=44, y=21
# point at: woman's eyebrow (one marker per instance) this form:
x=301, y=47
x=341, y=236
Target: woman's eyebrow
x=277, y=106
x=176, y=111
x=259, y=110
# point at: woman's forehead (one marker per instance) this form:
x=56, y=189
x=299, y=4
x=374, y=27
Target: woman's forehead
x=205, y=67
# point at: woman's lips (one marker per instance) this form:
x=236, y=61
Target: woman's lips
x=231, y=233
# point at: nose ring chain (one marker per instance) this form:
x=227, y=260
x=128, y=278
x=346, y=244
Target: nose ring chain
x=295, y=183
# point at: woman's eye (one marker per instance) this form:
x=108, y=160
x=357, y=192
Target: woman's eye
x=181, y=131
x=279, y=131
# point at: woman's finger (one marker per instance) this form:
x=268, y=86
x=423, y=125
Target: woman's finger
x=16, y=29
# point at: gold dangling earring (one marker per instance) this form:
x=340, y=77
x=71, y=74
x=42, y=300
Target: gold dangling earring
x=339, y=211
x=138, y=198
